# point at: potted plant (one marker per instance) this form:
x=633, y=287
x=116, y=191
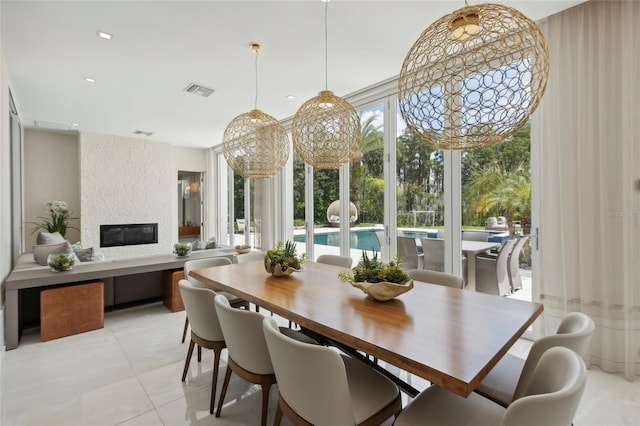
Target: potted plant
x=58, y=220
x=61, y=262
x=182, y=249
x=283, y=259
x=381, y=282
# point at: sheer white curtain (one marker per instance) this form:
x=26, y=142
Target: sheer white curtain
x=588, y=128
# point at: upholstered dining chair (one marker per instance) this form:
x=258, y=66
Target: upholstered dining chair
x=408, y=251
x=205, y=328
x=551, y=399
x=492, y=275
x=248, y=353
x=435, y=277
x=319, y=386
x=247, y=348
x=332, y=259
x=250, y=257
x=510, y=378
x=190, y=265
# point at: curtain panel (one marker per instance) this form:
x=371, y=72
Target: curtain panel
x=588, y=130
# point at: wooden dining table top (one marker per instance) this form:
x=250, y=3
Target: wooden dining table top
x=448, y=336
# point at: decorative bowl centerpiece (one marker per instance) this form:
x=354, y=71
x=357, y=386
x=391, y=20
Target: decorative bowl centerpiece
x=283, y=259
x=61, y=262
x=182, y=249
x=243, y=248
x=377, y=280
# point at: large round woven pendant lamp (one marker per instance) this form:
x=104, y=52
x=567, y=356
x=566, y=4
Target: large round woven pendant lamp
x=474, y=77
x=255, y=145
x=326, y=129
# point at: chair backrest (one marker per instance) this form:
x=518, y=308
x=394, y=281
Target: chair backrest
x=408, y=251
x=574, y=332
x=433, y=249
x=332, y=259
x=201, y=311
x=502, y=271
x=513, y=265
x=312, y=379
x=242, y=330
x=553, y=394
x=435, y=277
x=475, y=236
x=190, y=265
x=251, y=256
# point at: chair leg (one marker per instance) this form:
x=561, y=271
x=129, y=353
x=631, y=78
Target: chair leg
x=223, y=392
x=188, y=360
x=278, y=418
x=186, y=326
x=266, y=387
x=217, y=351
x=199, y=353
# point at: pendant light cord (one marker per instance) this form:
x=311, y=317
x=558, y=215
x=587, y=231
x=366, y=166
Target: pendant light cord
x=326, y=48
x=256, y=98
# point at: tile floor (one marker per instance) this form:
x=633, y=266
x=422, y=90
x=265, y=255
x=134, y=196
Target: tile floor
x=129, y=374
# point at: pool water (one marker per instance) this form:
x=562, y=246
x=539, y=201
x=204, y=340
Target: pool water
x=361, y=240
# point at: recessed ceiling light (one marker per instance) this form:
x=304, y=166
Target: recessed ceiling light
x=291, y=97
x=75, y=125
x=89, y=79
x=104, y=35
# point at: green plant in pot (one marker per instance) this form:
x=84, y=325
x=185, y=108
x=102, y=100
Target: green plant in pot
x=182, y=249
x=381, y=282
x=283, y=259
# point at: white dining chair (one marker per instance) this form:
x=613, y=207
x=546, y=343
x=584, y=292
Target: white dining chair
x=512, y=374
x=436, y=277
x=205, y=328
x=551, y=399
x=250, y=257
x=210, y=262
x=513, y=265
x=332, y=259
x=319, y=386
x=248, y=353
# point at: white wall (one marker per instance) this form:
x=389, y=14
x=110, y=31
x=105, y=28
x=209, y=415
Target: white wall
x=127, y=180
x=51, y=173
x=5, y=188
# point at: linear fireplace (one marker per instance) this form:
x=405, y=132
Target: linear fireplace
x=128, y=234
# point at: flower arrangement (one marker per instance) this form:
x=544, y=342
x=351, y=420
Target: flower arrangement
x=58, y=220
x=283, y=259
x=377, y=280
x=371, y=270
x=182, y=249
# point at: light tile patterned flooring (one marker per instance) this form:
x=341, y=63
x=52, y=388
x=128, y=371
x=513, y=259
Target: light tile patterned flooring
x=129, y=374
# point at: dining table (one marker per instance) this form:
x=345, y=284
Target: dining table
x=448, y=336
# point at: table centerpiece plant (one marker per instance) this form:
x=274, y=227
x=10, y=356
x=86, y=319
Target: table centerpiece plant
x=283, y=259
x=381, y=282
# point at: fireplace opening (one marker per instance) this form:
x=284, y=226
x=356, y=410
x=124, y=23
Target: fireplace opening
x=128, y=234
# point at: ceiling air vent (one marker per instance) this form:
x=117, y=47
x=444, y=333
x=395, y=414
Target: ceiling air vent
x=199, y=90
x=142, y=133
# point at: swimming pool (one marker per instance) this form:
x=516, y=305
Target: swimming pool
x=365, y=239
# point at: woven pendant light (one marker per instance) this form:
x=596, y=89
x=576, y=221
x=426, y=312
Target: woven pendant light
x=326, y=129
x=255, y=145
x=473, y=77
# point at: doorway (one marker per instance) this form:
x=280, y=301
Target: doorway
x=190, y=205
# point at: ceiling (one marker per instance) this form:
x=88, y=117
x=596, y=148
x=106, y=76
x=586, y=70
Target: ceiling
x=159, y=47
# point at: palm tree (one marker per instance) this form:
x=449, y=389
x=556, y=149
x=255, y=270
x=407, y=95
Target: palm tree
x=371, y=142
